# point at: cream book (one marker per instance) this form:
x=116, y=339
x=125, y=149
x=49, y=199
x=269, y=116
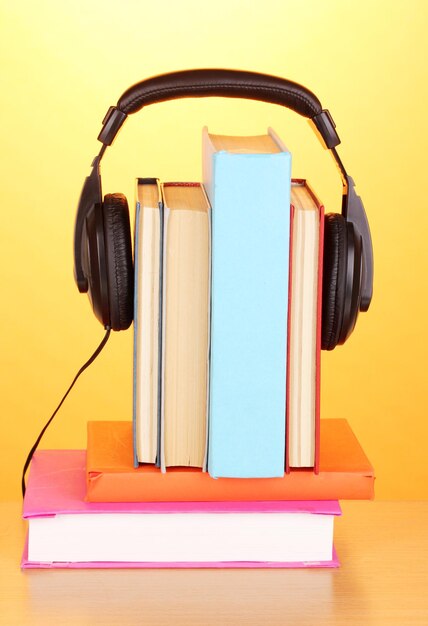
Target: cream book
x=147, y=321
x=185, y=332
x=307, y=217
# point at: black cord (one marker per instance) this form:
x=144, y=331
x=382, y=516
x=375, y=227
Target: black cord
x=82, y=369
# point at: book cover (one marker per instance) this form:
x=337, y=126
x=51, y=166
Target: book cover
x=27, y=564
x=345, y=473
x=249, y=191
x=65, y=530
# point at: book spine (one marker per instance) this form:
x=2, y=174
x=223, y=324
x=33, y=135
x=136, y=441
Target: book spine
x=136, y=331
x=290, y=287
x=159, y=451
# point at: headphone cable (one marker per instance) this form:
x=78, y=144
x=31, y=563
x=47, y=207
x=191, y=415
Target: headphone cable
x=42, y=432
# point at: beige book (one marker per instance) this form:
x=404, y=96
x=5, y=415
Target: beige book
x=147, y=320
x=303, y=368
x=186, y=293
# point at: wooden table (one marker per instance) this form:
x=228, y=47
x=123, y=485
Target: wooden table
x=383, y=579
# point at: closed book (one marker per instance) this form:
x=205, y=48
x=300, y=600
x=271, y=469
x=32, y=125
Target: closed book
x=66, y=531
x=185, y=325
x=147, y=321
x=248, y=183
x=304, y=330
x=345, y=473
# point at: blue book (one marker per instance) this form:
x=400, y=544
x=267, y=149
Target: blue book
x=248, y=181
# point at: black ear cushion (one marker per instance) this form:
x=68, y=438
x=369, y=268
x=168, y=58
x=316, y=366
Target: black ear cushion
x=120, y=272
x=334, y=279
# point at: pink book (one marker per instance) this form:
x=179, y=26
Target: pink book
x=67, y=531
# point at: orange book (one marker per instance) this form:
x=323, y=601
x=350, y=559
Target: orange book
x=345, y=473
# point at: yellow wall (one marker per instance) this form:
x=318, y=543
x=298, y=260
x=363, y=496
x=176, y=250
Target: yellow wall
x=63, y=63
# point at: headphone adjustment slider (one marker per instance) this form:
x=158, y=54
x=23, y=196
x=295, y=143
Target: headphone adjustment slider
x=112, y=122
x=327, y=128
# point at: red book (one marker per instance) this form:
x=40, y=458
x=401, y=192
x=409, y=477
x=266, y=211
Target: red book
x=344, y=473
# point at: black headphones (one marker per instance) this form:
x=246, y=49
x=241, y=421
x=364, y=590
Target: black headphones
x=103, y=264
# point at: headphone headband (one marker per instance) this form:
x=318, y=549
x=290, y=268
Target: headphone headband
x=230, y=84
x=221, y=83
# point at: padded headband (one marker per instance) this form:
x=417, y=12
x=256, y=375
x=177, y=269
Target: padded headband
x=221, y=83
x=230, y=84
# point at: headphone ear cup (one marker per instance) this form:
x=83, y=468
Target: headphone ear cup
x=334, y=279
x=120, y=271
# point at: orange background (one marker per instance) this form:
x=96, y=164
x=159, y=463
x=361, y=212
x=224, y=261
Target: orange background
x=63, y=64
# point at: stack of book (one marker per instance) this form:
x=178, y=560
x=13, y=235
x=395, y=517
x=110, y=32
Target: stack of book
x=226, y=462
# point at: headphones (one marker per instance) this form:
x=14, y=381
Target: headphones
x=103, y=265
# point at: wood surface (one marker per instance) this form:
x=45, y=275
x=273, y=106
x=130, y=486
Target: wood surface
x=383, y=579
